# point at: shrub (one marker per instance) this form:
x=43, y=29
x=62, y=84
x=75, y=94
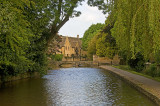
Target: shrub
x=158, y=73
x=157, y=57
x=138, y=63
x=152, y=70
x=57, y=57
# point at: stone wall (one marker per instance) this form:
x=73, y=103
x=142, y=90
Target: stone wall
x=101, y=59
x=73, y=59
x=115, y=60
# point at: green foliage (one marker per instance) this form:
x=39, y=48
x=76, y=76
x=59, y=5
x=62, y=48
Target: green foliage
x=91, y=50
x=136, y=29
x=153, y=71
x=22, y=38
x=157, y=57
x=127, y=68
x=26, y=27
x=57, y=57
x=61, y=11
x=90, y=33
x=102, y=44
x=36, y=52
x=106, y=46
x=136, y=25
x=138, y=63
x=14, y=37
x=105, y=5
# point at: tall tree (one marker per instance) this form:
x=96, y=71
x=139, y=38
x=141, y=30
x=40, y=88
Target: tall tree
x=61, y=11
x=26, y=26
x=14, y=36
x=136, y=25
x=102, y=44
x=90, y=33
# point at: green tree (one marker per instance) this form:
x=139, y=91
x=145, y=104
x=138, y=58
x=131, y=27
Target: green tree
x=136, y=25
x=38, y=17
x=106, y=46
x=103, y=44
x=61, y=11
x=23, y=33
x=26, y=29
x=89, y=34
x=91, y=50
x=14, y=37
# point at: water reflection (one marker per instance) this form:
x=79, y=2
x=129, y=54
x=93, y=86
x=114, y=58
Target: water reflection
x=72, y=87
x=23, y=93
x=90, y=86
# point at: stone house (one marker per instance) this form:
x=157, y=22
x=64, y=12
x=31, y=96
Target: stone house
x=71, y=46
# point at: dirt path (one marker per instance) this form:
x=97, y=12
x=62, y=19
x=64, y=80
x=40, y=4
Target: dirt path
x=149, y=87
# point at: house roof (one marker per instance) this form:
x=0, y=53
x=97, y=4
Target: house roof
x=73, y=41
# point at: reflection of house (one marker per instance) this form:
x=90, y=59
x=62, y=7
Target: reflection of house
x=71, y=46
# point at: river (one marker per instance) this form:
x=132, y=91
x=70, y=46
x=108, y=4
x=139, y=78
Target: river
x=72, y=87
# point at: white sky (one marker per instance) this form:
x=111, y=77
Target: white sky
x=78, y=25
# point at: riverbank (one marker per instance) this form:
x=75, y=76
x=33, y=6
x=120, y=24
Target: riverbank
x=145, y=85
x=18, y=77
x=142, y=73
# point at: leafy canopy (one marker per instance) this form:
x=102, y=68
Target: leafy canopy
x=136, y=25
x=90, y=33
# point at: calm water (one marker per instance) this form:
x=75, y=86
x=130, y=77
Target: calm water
x=72, y=87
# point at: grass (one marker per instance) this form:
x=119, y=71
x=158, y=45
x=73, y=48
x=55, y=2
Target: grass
x=127, y=68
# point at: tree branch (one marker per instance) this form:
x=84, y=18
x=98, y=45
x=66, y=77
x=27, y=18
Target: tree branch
x=59, y=23
x=62, y=23
x=67, y=16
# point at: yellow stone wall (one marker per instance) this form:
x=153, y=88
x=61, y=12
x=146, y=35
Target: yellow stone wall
x=62, y=50
x=115, y=60
x=68, y=49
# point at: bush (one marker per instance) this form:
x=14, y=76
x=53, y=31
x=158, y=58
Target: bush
x=138, y=63
x=57, y=57
x=152, y=71
x=6, y=70
x=157, y=57
x=158, y=73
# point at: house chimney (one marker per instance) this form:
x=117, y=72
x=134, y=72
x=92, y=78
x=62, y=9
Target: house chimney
x=77, y=36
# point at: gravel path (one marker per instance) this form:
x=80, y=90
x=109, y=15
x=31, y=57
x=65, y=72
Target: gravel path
x=149, y=87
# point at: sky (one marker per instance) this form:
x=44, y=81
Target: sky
x=78, y=25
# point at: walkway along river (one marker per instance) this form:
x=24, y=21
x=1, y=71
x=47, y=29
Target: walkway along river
x=72, y=87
